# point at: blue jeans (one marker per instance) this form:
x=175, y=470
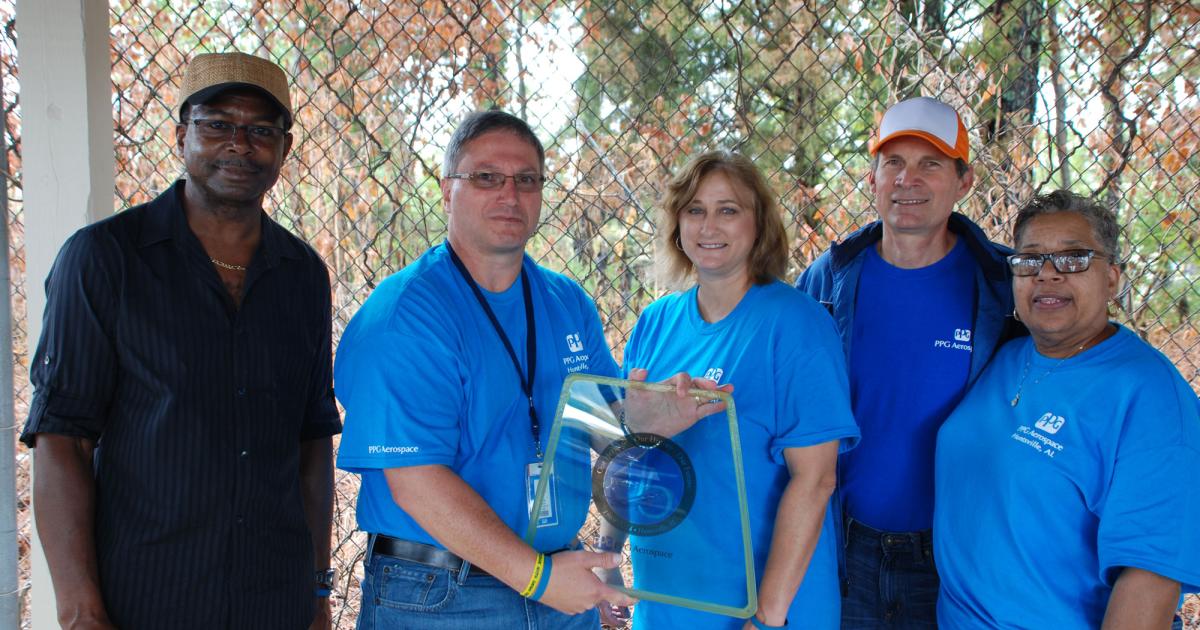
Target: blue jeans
x=891, y=580
x=398, y=594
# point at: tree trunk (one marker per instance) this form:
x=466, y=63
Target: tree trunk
x=1054, y=42
x=1012, y=47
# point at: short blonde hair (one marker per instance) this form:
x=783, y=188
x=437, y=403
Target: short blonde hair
x=768, y=256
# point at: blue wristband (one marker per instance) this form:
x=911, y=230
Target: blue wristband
x=763, y=626
x=544, y=581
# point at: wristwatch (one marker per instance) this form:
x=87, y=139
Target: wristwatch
x=324, y=580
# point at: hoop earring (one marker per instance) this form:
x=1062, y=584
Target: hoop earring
x=678, y=243
x=1015, y=315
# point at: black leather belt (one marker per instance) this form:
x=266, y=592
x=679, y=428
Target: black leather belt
x=421, y=554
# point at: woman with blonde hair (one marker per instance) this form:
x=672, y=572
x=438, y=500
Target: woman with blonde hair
x=739, y=324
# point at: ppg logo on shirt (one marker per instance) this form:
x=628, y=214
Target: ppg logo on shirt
x=960, y=341
x=577, y=361
x=1049, y=423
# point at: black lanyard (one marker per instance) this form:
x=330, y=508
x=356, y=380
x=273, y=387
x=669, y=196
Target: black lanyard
x=530, y=341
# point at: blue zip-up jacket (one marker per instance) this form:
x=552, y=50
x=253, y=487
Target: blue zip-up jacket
x=832, y=279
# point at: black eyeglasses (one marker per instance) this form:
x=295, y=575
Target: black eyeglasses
x=488, y=180
x=222, y=130
x=1067, y=261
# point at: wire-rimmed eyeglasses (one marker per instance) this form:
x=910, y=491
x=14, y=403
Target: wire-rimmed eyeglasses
x=490, y=180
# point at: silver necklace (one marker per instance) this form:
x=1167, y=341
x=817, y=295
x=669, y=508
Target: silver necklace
x=227, y=265
x=1029, y=361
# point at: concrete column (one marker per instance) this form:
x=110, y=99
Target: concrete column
x=67, y=159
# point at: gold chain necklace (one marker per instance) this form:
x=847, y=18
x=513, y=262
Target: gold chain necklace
x=227, y=265
x=1029, y=361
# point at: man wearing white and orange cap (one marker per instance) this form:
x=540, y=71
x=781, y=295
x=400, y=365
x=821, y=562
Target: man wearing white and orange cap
x=922, y=300
x=182, y=410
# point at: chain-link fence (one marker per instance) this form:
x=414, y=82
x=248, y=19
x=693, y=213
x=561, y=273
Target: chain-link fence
x=1097, y=97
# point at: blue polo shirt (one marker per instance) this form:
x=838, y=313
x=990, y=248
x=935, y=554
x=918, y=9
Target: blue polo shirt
x=425, y=379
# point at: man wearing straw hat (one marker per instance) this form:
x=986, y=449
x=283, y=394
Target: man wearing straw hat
x=922, y=299
x=182, y=410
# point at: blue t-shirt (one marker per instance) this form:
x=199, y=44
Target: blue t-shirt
x=909, y=362
x=1041, y=504
x=780, y=350
x=425, y=379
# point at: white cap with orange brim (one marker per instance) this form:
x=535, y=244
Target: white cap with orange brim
x=926, y=118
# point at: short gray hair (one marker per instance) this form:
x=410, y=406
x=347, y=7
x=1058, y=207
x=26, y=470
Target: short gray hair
x=478, y=123
x=1103, y=220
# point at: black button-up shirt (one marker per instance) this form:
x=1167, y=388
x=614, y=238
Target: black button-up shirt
x=198, y=408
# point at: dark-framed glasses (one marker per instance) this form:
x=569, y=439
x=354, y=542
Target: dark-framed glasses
x=1066, y=261
x=489, y=180
x=222, y=130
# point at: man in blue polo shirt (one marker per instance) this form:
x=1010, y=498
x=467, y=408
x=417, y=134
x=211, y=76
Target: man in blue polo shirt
x=922, y=300
x=450, y=374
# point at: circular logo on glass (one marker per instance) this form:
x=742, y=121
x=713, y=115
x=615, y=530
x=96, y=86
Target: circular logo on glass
x=644, y=484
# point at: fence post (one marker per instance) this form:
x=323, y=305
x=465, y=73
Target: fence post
x=10, y=599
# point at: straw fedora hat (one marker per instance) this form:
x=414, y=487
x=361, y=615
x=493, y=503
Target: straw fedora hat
x=210, y=74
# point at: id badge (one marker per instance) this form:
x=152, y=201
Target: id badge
x=547, y=515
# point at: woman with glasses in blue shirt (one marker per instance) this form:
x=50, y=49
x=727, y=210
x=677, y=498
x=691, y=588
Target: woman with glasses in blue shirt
x=1066, y=479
